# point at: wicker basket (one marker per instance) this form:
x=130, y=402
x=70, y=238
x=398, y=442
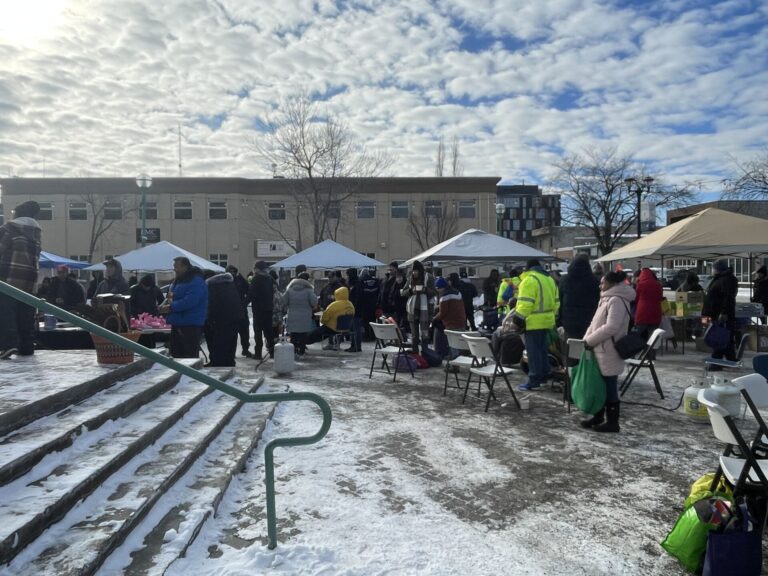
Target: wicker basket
x=110, y=353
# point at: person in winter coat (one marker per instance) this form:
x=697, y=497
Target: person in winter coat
x=65, y=292
x=146, y=296
x=186, y=306
x=507, y=292
x=468, y=294
x=491, y=289
x=96, y=278
x=420, y=290
x=225, y=312
x=20, y=241
x=369, y=299
x=300, y=302
x=244, y=329
x=611, y=322
x=114, y=282
x=385, y=294
x=538, y=302
x=579, y=297
x=356, y=298
x=399, y=302
x=341, y=306
x=647, y=303
x=691, y=283
x=278, y=306
x=760, y=289
x=44, y=289
x=720, y=306
x=450, y=314
x=261, y=295
x=335, y=281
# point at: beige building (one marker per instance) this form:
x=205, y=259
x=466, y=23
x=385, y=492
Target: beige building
x=238, y=221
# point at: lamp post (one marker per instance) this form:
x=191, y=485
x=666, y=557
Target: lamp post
x=143, y=181
x=499, y=214
x=648, y=180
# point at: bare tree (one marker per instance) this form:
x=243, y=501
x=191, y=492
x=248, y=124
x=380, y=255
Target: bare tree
x=101, y=222
x=750, y=181
x=430, y=226
x=319, y=155
x=596, y=196
x=457, y=169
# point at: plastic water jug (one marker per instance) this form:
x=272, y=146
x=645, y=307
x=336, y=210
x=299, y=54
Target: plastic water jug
x=691, y=406
x=728, y=396
x=284, y=358
x=49, y=322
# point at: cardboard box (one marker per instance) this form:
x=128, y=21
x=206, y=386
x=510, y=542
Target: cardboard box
x=758, y=338
x=685, y=310
x=689, y=297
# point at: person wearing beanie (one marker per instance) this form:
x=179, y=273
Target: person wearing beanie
x=468, y=293
x=64, y=291
x=261, y=296
x=20, y=244
x=244, y=328
x=538, y=302
x=720, y=306
x=386, y=297
x=450, y=315
x=146, y=296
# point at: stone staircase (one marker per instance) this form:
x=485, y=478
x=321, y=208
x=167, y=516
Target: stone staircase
x=92, y=456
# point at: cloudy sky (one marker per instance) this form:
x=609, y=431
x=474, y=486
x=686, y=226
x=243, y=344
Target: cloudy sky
x=100, y=87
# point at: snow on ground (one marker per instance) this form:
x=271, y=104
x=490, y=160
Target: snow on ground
x=409, y=481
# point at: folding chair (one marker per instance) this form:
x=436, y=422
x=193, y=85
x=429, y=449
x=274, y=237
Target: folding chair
x=723, y=363
x=644, y=361
x=461, y=362
x=743, y=471
x=754, y=389
x=345, y=327
x=389, y=342
x=760, y=365
x=480, y=348
x=573, y=349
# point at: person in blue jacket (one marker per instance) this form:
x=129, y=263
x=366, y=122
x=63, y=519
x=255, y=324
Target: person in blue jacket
x=186, y=306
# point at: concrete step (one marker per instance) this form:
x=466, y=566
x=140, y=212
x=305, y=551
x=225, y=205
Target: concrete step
x=24, y=447
x=176, y=520
x=46, y=493
x=32, y=387
x=86, y=537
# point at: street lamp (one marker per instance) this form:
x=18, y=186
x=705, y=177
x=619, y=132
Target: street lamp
x=499, y=214
x=648, y=180
x=143, y=181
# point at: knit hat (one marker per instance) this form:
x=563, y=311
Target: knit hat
x=533, y=262
x=62, y=268
x=261, y=265
x=441, y=283
x=28, y=209
x=721, y=265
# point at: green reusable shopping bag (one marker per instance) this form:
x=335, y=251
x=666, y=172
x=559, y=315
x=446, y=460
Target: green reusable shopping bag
x=588, y=386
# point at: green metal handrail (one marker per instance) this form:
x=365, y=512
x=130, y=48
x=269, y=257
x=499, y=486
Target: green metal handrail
x=30, y=300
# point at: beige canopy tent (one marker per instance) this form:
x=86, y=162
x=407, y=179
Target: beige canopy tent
x=708, y=234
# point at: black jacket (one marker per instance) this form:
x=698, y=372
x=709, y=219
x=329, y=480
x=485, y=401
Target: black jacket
x=760, y=293
x=242, y=288
x=225, y=309
x=68, y=290
x=261, y=292
x=145, y=300
x=468, y=293
x=720, y=298
x=579, y=297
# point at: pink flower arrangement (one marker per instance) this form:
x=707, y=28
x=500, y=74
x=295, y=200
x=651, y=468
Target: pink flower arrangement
x=146, y=320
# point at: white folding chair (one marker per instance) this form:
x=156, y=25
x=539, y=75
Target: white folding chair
x=732, y=364
x=389, y=342
x=480, y=348
x=754, y=389
x=645, y=360
x=462, y=361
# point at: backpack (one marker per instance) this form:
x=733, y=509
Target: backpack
x=433, y=358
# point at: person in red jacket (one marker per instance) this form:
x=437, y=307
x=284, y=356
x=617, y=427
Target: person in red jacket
x=648, y=303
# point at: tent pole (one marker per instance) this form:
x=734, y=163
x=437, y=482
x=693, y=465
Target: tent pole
x=749, y=277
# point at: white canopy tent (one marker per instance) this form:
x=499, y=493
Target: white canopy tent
x=158, y=258
x=708, y=234
x=328, y=255
x=475, y=247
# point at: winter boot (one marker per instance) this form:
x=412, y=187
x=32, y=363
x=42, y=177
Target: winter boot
x=597, y=419
x=612, y=413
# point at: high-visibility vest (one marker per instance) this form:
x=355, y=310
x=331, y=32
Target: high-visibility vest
x=538, y=300
x=505, y=283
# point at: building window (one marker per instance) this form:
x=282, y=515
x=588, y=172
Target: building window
x=470, y=271
x=182, y=210
x=515, y=224
x=217, y=210
x=334, y=210
x=541, y=214
x=151, y=208
x=276, y=211
x=369, y=254
x=113, y=210
x=399, y=209
x=46, y=211
x=220, y=259
x=366, y=209
x=433, y=208
x=466, y=208
x=78, y=211
x=529, y=224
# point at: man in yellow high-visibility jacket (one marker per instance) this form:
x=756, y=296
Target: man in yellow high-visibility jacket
x=538, y=302
x=505, y=294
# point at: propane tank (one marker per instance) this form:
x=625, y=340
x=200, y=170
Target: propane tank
x=284, y=361
x=728, y=396
x=691, y=406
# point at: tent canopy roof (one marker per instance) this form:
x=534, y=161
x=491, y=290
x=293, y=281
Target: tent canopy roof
x=328, y=255
x=479, y=247
x=51, y=260
x=707, y=234
x=158, y=258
